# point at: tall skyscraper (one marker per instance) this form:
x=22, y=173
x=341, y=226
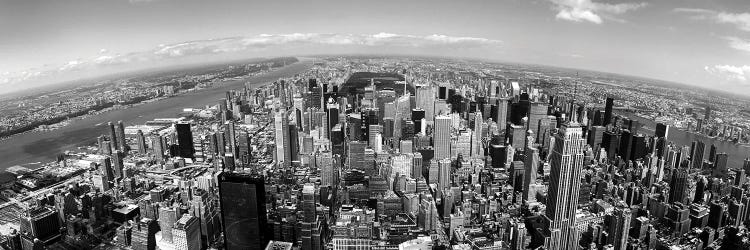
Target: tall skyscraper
x=185, y=139
x=720, y=166
x=186, y=233
x=141, y=139
x=444, y=175
x=697, y=151
x=121, y=136
x=531, y=166
x=157, y=146
x=503, y=104
x=566, y=162
x=618, y=227
x=441, y=137
x=112, y=134
x=476, y=142
x=662, y=130
x=608, y=110
x=283, y=150
x=243, y=210
x=426, y=101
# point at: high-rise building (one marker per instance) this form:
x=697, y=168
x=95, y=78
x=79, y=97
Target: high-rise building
x=442, y=137
x=662, y=130
x=477, y=149
x=566, y=162
x=618, y=227
x=41, y=223
x=168, y=215
x=531, y=166
x=283, y=147
x=720, y=166
x=143, y=236
x=121, y=137
x=185, y=140
x=697, y=151
x=243, y=209
x=608, y=111
x=141, y=141
x=118, y=164
x=112, y=134
x=425, y=100
x=503, y=104
x=444, y=174
x=328, y=172
x=187, y=233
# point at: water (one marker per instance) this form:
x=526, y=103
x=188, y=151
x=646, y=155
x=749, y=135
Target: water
x=737, y=153
x=44, y=146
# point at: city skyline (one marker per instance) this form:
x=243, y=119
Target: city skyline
x=691, y=42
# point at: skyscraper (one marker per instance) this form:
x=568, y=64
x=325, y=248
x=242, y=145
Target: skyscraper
x=531, y=166
x=442, y=137
x=186, y=233
x=112, y=134
x=243, y=210
x=476, y=142
x=566, y=162
x=121, y=136
x=608, y=111
x=141, y=142
x=502, y=112
x=697, y=151
x=618, y=227
x=185, y=139
x=283, y=150
x=444, y=175
x=720, y=166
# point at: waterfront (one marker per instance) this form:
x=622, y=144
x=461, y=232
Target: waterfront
x=736, y=152
x=44, y=146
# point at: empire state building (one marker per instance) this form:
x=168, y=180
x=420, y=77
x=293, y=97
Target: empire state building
x=566, y=162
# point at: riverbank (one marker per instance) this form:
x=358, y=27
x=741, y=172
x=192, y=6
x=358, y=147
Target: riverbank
x=44, y=146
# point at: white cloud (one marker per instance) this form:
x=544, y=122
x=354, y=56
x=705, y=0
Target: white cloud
x=740, y=20
x=738, y=74
x=738, y=43
x=589, y=11
x=234, y=44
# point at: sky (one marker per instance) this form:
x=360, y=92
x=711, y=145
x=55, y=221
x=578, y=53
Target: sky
x=697, y=42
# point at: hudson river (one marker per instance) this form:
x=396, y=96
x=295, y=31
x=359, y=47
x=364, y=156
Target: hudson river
x=43, y=147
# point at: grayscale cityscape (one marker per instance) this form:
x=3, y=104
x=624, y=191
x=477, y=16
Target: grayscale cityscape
x=375, y=125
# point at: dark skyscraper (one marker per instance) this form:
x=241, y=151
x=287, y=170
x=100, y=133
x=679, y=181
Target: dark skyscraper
x=696, y=154
x=720, y=166
x=662, y=130
x=639, y=149
x=712, y=153
x=243, y=210
x=185, y=139
x=112, y=134
x=626, y=142
x=608, y=110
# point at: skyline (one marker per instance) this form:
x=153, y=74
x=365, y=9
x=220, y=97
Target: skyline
x=690, y=42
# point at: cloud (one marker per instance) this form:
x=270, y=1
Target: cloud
x=589, y=11
x=738, y=74
x=258, y=43
x=738, y=43
x=234, y=44
x=739, y=20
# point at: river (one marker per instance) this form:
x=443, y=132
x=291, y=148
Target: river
x=43, y=146
x=736, y=152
